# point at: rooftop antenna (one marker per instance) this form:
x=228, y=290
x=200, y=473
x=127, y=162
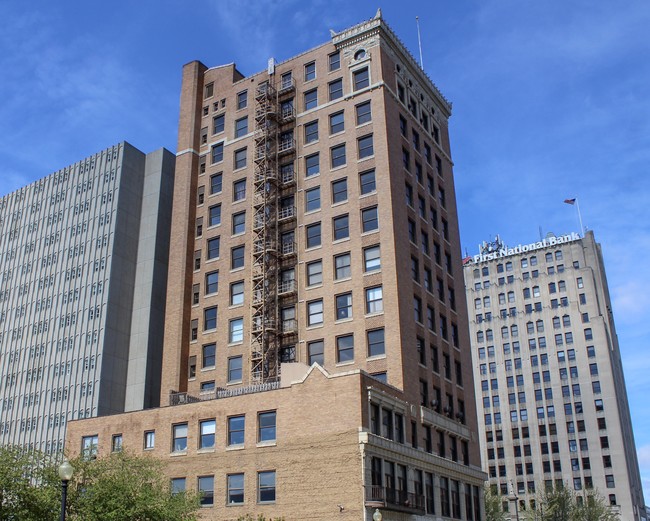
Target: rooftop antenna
x=417, y=22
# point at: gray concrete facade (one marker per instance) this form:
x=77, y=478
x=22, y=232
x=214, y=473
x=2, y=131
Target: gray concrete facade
x=551, y=398
x=82, y=258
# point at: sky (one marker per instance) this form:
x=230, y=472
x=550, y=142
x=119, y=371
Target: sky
x=551, y=100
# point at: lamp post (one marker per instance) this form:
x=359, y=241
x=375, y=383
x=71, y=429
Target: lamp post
x=376, y=516
x=65, y=473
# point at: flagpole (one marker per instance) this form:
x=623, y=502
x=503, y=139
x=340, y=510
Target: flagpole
x=582, y=229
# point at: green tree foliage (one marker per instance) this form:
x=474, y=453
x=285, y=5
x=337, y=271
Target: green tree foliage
x=30, y=489
x=120, y=487
x=494, y=505
x=594, y=508
x=562, y=504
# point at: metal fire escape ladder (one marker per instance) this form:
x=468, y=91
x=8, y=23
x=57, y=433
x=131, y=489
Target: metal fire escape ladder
x=264, y=339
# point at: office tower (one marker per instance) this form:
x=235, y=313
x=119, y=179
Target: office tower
x=551, y=396
x=83, y=272
x=316, y=359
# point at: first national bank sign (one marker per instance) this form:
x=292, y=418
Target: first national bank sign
x=502, y=251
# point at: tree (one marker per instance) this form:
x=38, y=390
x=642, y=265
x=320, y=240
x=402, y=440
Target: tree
x=494, y=506
x=562, y=504
x=30, y=489
x=119, y=487
x=594, y=508
x=123, y=487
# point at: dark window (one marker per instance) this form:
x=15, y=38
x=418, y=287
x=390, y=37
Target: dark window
x=364, y=113
x=336, y=89
x=361, y=79
x=365, y=146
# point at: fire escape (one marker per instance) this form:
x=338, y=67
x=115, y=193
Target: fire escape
x=274, y=223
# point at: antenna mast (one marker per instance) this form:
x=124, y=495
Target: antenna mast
x=417, y=22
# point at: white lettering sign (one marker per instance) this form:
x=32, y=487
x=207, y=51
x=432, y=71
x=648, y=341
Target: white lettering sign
x=525, y=248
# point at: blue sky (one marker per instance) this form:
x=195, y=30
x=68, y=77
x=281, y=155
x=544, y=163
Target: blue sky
x=551, y=100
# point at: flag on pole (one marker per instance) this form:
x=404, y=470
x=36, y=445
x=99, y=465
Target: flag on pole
x=570, y=201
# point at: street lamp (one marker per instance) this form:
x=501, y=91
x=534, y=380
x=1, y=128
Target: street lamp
x=377, y=515
x=65, y=473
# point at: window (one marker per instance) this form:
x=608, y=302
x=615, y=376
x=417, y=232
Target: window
x=312, y=165
x=341, y=227
x=266, y=486
x=339, y=190
x=207, y=430
x=364, y=113
x=179, y=437
x=236, y=426
x=314, y=312
x=374, y=300
x=239, y=190
x=315, y=352
x=314, y=273
x=218, y=124
x=240, y=162
x=336, y=89
x=337, y=123
x=210, y=318
x=236, y=330
x=177, y=485
x=376, y=342
x=310, y=71
x=361, y=78
x=216, y=183
x=344, y=306
x=237, y=293
x=209, y=355
x=342, y=267
x=89, y=446
x=367, y=182
x=237, y=257
x=209, y=90
x=213, y=248
x=313, y=232
x=365, y=146
x=217, y=153
x=214, y=215
x=371, y=258
x=242, y=99
x=335, y=61
x=311, y=131
x=345, y=347
x=369, y=220
x=239, y=223
x=312, y=199
x=311, y=99
x=266, y=425
x=206, y=490
x=149, y=439
x=235, y=489
x=235, y=369
x=241, y=127
x=116, y=443
x=337, y=155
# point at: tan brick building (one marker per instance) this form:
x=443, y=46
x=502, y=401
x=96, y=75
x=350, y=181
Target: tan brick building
x=316, y=357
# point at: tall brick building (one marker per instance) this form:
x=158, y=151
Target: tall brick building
x=316, y=357
x=551, y=394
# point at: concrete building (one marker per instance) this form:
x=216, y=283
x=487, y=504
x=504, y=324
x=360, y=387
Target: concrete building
x=83, y=272
x=551, y=396
x=316, y=356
